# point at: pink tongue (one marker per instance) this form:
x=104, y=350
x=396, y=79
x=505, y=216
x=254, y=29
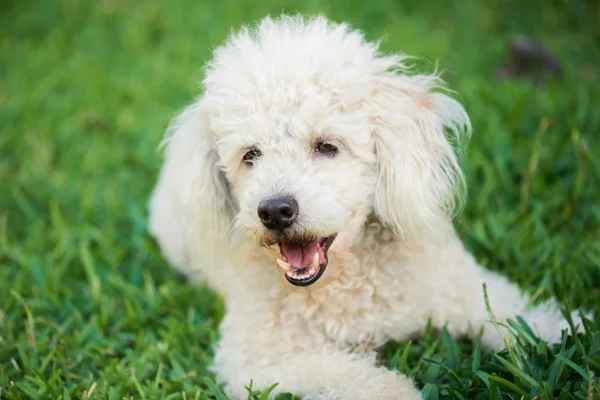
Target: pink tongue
x=301, y=255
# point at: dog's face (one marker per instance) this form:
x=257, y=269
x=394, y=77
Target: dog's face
x=302, y=175
x=303, y=133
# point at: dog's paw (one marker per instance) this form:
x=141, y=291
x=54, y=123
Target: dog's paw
x=552, y=331
x=392, y=386
x=547, y=323
x=387, y=386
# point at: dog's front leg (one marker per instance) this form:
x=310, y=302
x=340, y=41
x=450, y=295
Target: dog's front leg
x=459, y=301
x=506, y=301
x=312, y=369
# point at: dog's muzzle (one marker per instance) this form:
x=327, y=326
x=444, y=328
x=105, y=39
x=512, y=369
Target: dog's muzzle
x=302, y=259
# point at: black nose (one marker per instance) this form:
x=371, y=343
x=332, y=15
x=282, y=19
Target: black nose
x=278, y=212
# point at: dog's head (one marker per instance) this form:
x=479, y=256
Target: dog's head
x=303, y=133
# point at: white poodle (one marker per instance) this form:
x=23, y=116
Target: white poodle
x=313, y=185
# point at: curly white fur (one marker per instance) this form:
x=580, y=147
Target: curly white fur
x=389, y=195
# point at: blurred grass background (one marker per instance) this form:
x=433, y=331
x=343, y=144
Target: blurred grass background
x=89, y=308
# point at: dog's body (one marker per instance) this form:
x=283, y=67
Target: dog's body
x=347, y=159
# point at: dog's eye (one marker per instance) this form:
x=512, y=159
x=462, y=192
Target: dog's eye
x=252, y=155
x=326, y=148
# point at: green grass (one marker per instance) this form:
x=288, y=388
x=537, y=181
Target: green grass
x=89, y=309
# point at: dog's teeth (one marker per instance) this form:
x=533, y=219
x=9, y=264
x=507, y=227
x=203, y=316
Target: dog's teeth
x=315, y=263
x=283, y=265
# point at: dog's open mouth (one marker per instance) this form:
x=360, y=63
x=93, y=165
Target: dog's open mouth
x=304, y=262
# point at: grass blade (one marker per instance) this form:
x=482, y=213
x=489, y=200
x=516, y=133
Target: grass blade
x=215, y=389
x=267, y=392
x=476, y=358
x=451, y=349
x=507, y=384
x=575, y=367
x=518, y=372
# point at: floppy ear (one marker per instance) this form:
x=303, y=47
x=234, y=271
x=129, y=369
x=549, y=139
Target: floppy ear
x=191, y=207
x=419, y=177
